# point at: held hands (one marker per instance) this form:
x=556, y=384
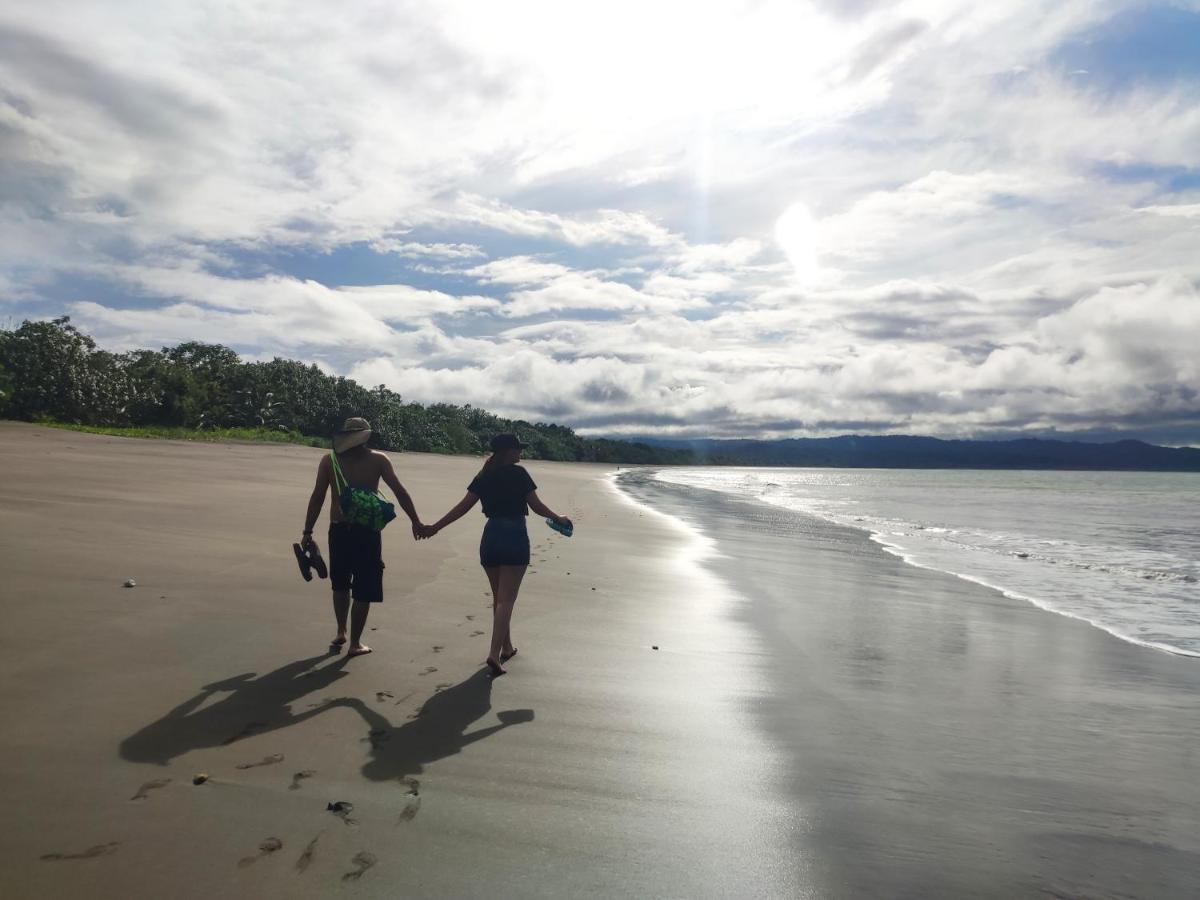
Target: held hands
x=421, y=531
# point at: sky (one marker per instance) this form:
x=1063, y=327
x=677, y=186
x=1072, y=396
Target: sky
x=754, y=219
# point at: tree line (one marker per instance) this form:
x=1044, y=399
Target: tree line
x=51, y=371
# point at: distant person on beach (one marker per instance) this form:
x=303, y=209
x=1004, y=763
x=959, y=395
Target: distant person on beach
x=508, y=493
x=355, y=551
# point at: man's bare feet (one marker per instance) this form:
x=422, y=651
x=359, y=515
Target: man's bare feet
x=358, y=650
x=495, y=668
x=506, y=655
x=338, y=641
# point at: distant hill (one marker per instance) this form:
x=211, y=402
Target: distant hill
x=903, y=452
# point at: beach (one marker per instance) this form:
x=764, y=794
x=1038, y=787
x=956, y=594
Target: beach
x=598, y=766
x=946, y=740
x=712, y=698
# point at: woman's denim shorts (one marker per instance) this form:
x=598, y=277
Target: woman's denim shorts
x=505, y=542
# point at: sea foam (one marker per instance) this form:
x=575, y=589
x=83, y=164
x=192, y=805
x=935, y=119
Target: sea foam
x=1117, y=550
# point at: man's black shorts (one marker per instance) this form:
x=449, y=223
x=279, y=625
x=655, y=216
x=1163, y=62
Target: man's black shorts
x=356, y=561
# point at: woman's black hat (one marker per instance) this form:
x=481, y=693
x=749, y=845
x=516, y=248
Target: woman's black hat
x=507, y=442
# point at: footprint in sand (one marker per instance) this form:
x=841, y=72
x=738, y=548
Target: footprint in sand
x=438, y=648
x=299, y=777
x=476, y=633
x=310, y=851
x=441, y=687
x=412, y=800
x=266, y=848
x=144, y=791
x=89, y=853
x=265, y=761
x=364, y=861
x=250, y=728
x=470, y=618
x=429, y=670
x=380, y=696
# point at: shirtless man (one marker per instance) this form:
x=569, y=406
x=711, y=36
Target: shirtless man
x=355, y=552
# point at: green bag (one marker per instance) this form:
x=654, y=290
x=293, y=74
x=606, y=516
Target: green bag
x=360, y=506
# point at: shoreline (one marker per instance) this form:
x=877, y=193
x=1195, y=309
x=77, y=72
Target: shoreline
x=910, y=557
x=1044, y=606
x=947, y=740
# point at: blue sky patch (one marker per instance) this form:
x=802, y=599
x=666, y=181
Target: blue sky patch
x=1146, y=44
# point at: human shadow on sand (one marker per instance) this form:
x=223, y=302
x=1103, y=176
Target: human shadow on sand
x=252, y=705
x=438, y=731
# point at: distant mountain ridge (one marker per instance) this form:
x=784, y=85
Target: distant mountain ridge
x=906, y=452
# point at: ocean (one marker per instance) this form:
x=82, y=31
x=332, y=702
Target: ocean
x=1120, y=550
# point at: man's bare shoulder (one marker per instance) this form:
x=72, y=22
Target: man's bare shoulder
x=380, y=459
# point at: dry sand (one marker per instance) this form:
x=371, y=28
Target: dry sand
x=597, y=766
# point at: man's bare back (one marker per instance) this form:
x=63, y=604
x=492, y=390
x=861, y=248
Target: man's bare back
x=362, y=468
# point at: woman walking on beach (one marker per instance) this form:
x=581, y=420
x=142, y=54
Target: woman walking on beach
x=508, y=493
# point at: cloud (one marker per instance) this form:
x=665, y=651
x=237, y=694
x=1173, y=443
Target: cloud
x=417, y=250
x=606, y=226
x=570, y=208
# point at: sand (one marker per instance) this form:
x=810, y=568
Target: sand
x=819, y=719
x=598, y=766
x=945, y=740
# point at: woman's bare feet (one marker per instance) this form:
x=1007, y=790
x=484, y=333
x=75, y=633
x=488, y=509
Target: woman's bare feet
x=496, y=669
x=358, y=650
x=506, y=655
x=337, y=642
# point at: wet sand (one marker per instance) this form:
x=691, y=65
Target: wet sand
x=598, y=766
x=947, y=741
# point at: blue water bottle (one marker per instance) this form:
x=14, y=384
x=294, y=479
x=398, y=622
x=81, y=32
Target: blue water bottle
x=565, y=530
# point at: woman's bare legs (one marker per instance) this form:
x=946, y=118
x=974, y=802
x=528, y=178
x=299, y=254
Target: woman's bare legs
x=493, y=574
x=505, y=587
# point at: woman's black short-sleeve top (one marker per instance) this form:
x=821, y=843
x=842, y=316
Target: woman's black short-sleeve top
x=503, y=491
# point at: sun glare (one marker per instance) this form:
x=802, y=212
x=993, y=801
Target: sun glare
x=795, y=231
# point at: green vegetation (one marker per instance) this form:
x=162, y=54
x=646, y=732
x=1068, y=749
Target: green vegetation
x=53, y=373
x=259, y=435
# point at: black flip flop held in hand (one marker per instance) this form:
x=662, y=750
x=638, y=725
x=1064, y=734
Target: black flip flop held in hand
x=309, y=561
x=302, y=561
x=318, y=564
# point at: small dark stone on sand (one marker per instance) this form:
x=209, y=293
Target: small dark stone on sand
x=342, y=810
x=200, y=779
x=654, y=647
